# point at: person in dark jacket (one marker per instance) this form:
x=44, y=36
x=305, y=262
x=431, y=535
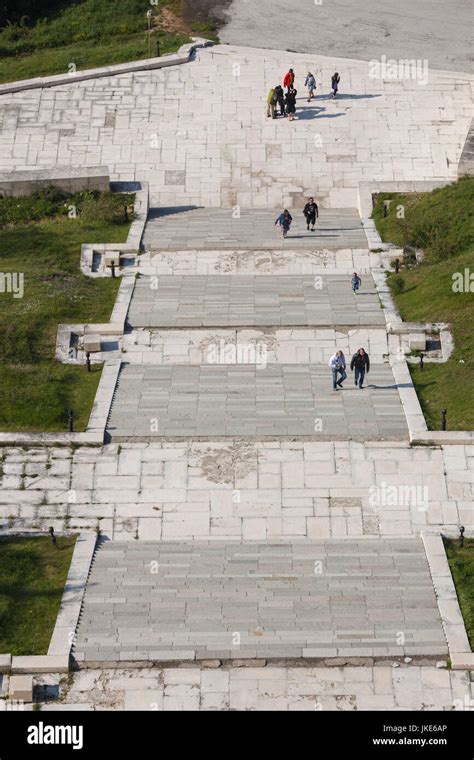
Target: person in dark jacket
x=311, y=213
x=290, y=101
x=360, y=363
x=280, y=96
x=335, y=79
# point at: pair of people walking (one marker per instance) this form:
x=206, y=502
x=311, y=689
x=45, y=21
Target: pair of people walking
x=310, y=211
x=360, y=364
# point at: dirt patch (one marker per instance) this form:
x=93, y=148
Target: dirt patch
x=168, y=21
x=205, y=11
x=227, y=464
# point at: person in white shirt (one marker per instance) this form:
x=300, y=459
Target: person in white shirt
x=337, y=362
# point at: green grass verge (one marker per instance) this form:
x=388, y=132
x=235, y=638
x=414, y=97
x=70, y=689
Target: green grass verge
x=461, y=562
x=442, y=223
x=35, y=390
x=95, y=33
x=32, y=577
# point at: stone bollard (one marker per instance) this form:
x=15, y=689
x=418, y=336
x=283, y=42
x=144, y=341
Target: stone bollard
x=443, y=419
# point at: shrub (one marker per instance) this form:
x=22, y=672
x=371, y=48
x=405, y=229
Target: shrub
x=398, y=284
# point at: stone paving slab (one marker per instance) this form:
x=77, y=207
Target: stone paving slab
x=181, y=228
x=246, y=300
x=237, y=489
x=281, y=345
x=153, y=401
x=205, y=600
x=384, y=688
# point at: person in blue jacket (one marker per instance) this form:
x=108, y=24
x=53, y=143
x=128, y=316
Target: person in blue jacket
x=284, y=220
x=356, y=282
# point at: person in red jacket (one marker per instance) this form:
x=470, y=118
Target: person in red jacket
x=289, y=80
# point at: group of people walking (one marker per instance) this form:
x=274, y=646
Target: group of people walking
x=285, y=102
x=360, y=364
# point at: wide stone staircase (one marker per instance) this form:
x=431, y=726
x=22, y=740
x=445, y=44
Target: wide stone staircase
x=191, y=228
x=165, y=601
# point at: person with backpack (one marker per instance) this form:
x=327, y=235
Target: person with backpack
x=289, y=80
x=335, y=79
x=310, y=83
x=280, y=99
x=290, y=101
x=271, y=103
x=360, y=363
x=311, y=212
x=356, y=282
x=337, y=362
x=284, y=220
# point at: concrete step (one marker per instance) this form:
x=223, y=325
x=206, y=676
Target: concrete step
x=253, y=301
x=193, y=228
x=226, y=600
x=252, y=400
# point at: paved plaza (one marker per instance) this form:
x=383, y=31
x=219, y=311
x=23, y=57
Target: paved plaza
x=210, y=229
x=199, y=134
x=148, y=601
x=249, y=301
x=242, y=400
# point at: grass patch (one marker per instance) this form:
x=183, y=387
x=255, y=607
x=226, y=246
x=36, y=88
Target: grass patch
x=35, y=390
x=442, y=224
x=95, y=33
x=461, y=563
x=32, y=577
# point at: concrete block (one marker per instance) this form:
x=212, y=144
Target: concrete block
x=40, y=664
x=112, y=257
x=417, y=342
x=21, y=687
x=92, y=343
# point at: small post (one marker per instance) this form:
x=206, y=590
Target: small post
x=88, y=361
x=70, y=421
x=53, y=537
x=461, y=535
x=158, y=49
x=397, y=266
x=422, y=362
x=148, y=15
x=443, y=419
x=112, y=267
